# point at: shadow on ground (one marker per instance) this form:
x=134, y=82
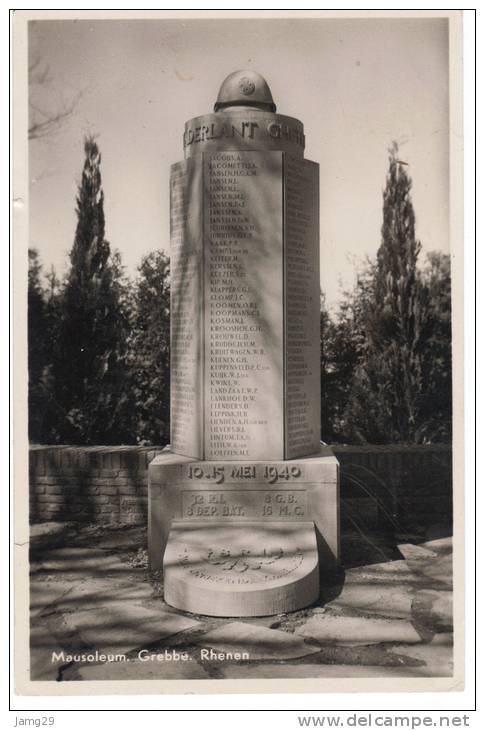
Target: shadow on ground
x=97, y=613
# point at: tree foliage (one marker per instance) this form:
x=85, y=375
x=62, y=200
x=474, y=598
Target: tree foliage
x=37, y=325
x=149, y=347
x=90, y=355
x=436, y=403
x=42, y=319
x=390, y=395
x=342, y=340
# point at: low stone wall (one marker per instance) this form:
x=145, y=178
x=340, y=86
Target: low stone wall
x=389, y=486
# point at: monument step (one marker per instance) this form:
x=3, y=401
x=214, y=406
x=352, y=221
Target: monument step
x=241, y=569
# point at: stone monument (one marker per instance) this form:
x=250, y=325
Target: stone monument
x=244, y=504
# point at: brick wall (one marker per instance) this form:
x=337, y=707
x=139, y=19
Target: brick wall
x=96, y=483
x=389, y=486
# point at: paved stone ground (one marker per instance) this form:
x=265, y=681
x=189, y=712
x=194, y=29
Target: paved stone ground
x=387, y=614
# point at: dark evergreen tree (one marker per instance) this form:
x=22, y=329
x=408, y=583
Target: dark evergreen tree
x=342, y=339
x=89, y=363
x=36, y=316
x=386, y=397
x=436, y=405
x=337, y=357
x=43, y=321
x=37, y=338
x=150, y=350
x=326, y=411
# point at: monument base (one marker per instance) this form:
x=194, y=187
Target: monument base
x=242, y=569
x=268, y=525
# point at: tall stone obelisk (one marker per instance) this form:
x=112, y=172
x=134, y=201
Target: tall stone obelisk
x=245, y=489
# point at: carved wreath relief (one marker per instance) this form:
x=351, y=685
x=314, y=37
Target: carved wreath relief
x=239, y=566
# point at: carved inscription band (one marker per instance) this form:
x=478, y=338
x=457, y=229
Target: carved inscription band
x=249, y=504
x=243, y=130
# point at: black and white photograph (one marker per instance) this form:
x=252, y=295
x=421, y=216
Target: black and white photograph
x=238, y=260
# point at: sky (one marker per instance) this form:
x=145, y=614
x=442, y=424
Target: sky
x=356, y=84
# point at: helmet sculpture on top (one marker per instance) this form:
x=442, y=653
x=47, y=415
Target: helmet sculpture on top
x=245, y=88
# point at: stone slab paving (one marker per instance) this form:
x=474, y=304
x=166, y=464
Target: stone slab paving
x=82, y=561
x=46, y=594
x=99, y=592
x=119, y=627
x=93, y=592
x=437, y=655
x=49, y=529
x=42, y=644
x=417, y=552
x=114, y=539
x=439, y=545
x=434, y=609
x=259, y=642
x=393, y=600
x=440, y=569
x=433, y=560
x=357, y=630
x=395, y=571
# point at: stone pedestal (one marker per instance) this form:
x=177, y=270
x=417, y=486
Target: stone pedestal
x=191, y=493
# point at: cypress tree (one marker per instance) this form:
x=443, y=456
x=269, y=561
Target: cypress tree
x=89, y=366
x=386, y=397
